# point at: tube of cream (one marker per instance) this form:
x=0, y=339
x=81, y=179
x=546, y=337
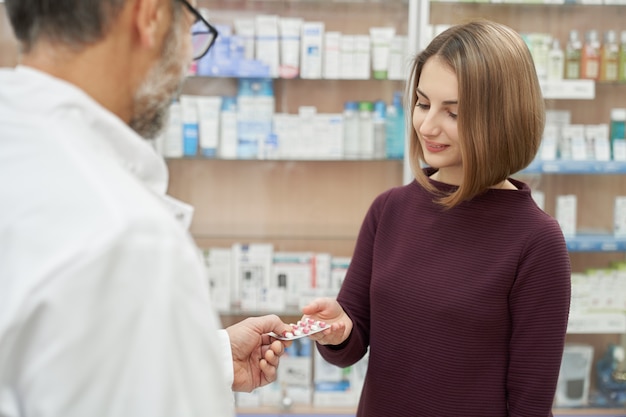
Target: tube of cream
x=380, y=41
x=246, y=29
x=267, y=45
x=289, y=29
x=208, y=122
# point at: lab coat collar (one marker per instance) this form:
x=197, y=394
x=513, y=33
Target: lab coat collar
x=110, y=133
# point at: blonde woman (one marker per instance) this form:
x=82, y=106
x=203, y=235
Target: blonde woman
x=459, y=284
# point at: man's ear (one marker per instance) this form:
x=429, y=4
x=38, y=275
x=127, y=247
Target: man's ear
x=149, y=19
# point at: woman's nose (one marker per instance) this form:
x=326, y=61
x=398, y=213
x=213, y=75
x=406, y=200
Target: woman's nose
x=429, y=126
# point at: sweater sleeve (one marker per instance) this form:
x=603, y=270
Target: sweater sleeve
x=539, y=305
x=354, y=295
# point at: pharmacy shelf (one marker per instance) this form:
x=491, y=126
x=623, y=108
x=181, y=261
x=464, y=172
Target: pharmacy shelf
x=321, y=412
x=595, y=243
x=576, y=167
x=537, y=167
x=555, y=90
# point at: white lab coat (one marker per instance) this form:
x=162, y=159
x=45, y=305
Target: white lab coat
x=104, y=309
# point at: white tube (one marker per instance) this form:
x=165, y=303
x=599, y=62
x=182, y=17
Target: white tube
x=246, y=29
x=289, y=29
x=380, y=41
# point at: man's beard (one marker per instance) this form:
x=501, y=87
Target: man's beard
x=164, y=80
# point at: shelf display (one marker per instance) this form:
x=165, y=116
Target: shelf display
x=315, y=204
x=588, y=102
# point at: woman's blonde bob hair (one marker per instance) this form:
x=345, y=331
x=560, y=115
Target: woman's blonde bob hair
x=501, y=112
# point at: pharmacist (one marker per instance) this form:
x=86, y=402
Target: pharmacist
x=105, y=311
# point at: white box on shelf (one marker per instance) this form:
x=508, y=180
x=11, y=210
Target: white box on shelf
x=322, y=262
x=272, y=300
x=566, y=213
x=619, y=222
x=218, y=262
x=347, y=48
x=598, y=143
x=267, y=42
x=598, y=302
x=578, y=141
x=574, y=377
x=569, y=89
x=293, y=272
x=550, y=142
x=332, y=42
x=362, y=57
x=573, y=145
x=620, y=291
x=338, y=269
x=295, y=373
x=328, y=136
x=252, y=265
x=580, y=294
x=312, y=43
x=596, y=323
x=336, y=386
x=287, y=127
x=306, y=136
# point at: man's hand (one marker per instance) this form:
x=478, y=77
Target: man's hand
x=256, y=354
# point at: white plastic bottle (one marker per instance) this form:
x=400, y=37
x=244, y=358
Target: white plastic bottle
x=172, y=138
x=247, y=146
x=378, y=122
x=351, y=130
x=556, y=62
x=366, y=129
x=540, y=48
x=228, y=129
x=255, y=106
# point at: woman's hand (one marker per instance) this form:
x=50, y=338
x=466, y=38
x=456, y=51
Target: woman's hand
x=329, y=311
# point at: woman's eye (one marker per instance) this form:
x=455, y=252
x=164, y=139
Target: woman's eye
x=422, y=106
x=453, y=115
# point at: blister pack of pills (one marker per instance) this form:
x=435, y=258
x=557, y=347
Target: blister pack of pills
x=303, y=328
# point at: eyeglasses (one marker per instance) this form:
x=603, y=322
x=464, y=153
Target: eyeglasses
x=203, y=34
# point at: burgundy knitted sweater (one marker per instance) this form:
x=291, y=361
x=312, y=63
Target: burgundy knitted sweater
x=464, y=311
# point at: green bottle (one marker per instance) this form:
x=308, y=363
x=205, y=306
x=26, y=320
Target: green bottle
x=573, y=52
